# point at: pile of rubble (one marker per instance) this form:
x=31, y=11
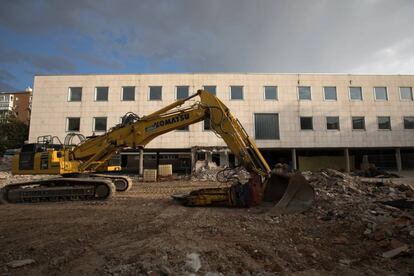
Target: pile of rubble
x=383, y=208
x=209, y=171
x=5, y=163
x=205, y=171
x=6, y=177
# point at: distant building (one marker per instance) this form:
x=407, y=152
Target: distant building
x=306, y=120
x=18, y=103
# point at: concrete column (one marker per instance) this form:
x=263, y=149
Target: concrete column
x=347, y=162
x=193, y=158
x=294, y=161
x=209, y=156
x=398, y=159
x=224, y=158
x=141, y=162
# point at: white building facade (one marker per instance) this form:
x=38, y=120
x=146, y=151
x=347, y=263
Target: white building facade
x=316, y=114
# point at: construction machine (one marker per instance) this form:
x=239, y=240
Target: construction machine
x=80, y=165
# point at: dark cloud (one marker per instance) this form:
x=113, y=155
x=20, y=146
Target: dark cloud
x=233, y=35
x=5, y=78
x=41, y=63
x=6, y=87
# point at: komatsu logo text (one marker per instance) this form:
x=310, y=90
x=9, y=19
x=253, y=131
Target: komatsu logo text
x=166, y=122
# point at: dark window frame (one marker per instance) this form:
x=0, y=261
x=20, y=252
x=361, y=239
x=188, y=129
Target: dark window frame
x=123, y=94
x=68, y=119
x=299, y=94
x=177, y=91
x=149, y=93
x=386, y=94
x=70, y=97
x=231, y=92
x=206, y=88
x=378, y=123
x=94, y=124
x=328, y=123
x=360, y=91
x=275, y=91
x=406, y=123
x=326, y=89
x=363, y=122
x=277, y=127
x=96, y=93
x=301, y=125
x=411, y=94
x=209, y=124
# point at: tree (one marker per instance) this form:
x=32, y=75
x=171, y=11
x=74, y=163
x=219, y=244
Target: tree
x=13, y=133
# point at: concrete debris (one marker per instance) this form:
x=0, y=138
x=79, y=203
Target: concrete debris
x=193, y=262
x=6, y=178
x=20, y=263
x=209, y=171
x=6, y=163
x=385, y=208
x=213, y=274
x=346, y=232
x=395, y=252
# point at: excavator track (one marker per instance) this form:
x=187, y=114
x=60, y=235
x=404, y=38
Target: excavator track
x=58, y=189
x=122, y=183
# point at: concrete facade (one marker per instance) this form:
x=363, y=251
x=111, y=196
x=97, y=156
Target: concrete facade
x=51, y=107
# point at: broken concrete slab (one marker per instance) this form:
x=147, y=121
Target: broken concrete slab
x=395, y=252
x=20, y=263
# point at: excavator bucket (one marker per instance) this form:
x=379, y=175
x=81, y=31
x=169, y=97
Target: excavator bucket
x=288, y=193
x=284, y=192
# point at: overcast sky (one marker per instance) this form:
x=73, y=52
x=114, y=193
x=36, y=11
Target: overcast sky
x=291, y=36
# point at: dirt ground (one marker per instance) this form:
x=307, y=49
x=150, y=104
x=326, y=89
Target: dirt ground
x=144, y=232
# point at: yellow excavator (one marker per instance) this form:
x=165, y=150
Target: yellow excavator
x=81, y=167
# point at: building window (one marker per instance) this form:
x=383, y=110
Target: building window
x=304, y=93
x=183, y=92
x=184, y=128
x=99, y=124
x=332, y=123
x=306, y=123
x=384, y=122
x=406, y=93
x=155, y=93
x=236, y=92
x=270, y=92
x=128, y=93
x=358, y=123
x=409, y=122
x=73, y=124
x=210, y=88
x=207, y=124
x=75, y=94
x=101, y=94
x=381, y=93
x=330, y=93
x=355, y=93
x=266, y=126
